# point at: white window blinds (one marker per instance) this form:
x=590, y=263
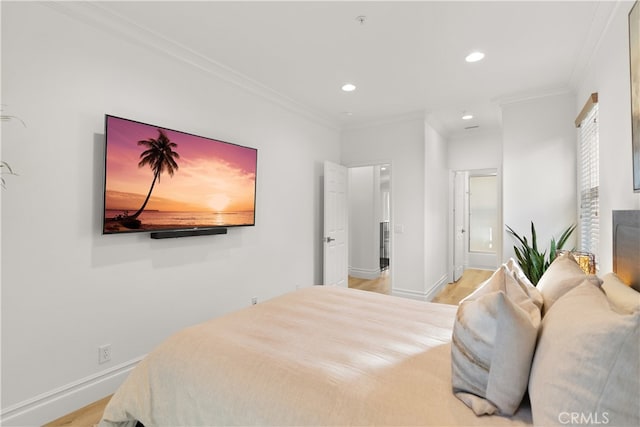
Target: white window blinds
x=588, y=178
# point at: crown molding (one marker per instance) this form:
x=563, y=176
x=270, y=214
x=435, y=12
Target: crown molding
x=437, y=124
x=98, y=15
x=602, y=19
x=517, y=98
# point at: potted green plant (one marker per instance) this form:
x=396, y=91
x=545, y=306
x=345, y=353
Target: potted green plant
x=533, y=262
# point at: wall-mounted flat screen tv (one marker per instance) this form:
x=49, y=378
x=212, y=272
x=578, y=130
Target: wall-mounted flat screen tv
x=158, y=179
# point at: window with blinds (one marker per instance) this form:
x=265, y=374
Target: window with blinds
x=588, y=177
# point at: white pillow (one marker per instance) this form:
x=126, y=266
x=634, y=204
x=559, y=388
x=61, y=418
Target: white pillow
x=622, y=298
x=493, y=341
x=563, y=274
x=587, y=363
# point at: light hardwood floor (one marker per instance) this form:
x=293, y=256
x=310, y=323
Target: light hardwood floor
x=88, y=416
x=452, y=294
x=381, y=284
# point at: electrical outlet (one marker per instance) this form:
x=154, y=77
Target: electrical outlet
x=104, y=353
x=254, y=300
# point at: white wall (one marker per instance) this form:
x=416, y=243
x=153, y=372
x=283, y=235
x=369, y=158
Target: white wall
x=540, y=141
x=608, y=74
x=478, y=150
x=364, y=222
x=475, y=150
x=400, y=143
x=539, y=168
x=418, y=157
x=436, y=212
x=66, y=289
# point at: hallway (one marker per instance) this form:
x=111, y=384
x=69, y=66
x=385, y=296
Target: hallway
x=381, y=284
x=452, y=293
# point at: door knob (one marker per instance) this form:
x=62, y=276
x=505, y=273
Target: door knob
x=329, y=239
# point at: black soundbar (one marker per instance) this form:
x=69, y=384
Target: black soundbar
x=187, y=233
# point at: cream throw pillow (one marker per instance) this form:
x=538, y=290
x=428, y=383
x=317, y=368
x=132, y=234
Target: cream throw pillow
x=622, y=298
x=563, y=274
x=535, y=295
x=493, y=341
x=587, y=363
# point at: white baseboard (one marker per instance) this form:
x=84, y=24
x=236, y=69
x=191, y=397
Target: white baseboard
x=408, y=293
x=422, y=296
x=362, y=273
x=435, y=289
x=53, y=404
x=482, y=267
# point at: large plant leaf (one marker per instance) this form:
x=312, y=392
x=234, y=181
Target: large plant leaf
x=514, y=234
x=565, y=236
x=552, y=250
x=533, y=262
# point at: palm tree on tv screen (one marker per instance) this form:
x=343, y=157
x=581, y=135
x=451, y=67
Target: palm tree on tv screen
x=160, y=157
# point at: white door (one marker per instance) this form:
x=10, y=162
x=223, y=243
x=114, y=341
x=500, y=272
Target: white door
x=335, y=271
x=459, y=250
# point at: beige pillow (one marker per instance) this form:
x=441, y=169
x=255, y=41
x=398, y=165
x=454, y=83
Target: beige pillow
x=563, y=274
x=513, y=266
x=493, y=341
x=622, y=297
x=587, y=363
x=520, y=291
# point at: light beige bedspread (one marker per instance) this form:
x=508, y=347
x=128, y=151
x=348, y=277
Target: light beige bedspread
x=321, y=356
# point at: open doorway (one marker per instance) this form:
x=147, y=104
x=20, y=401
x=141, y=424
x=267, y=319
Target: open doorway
x=369, y=201
x=477, y=236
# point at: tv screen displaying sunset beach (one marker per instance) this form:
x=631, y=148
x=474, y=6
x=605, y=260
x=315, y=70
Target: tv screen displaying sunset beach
x=161, y=179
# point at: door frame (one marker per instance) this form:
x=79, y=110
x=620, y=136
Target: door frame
x=391, y=269
x=459, y=213
x=497, y=171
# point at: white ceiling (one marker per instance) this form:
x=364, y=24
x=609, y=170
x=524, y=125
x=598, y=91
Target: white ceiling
x=407, y=57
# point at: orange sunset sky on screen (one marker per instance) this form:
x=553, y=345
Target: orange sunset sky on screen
x=211, y=175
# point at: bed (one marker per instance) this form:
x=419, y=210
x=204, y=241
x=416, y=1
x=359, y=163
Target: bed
x=327, y=356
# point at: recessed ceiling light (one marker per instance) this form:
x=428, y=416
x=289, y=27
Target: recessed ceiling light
x=467, y=116
x=474, y=57
x=348, y=87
